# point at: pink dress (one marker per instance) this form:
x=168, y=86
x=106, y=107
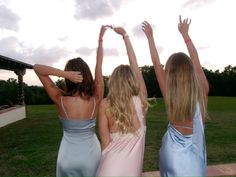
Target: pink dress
x=124, y=155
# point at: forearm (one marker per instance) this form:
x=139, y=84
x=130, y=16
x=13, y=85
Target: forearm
x=134, y=64
x=191, y=50
x=130, y=52
x=154, y=54
x=196, y=62
x=98, y=69
x=104, y=144
x=99, y=84
x=44, y=70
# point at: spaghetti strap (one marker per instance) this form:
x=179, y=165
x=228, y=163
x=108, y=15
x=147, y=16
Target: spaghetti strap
x=138, y=109
x=94, y=105
x=63, y=108
x=182, y=126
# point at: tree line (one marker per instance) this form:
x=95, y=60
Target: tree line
x=220, y=83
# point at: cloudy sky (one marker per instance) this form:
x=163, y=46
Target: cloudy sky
x=53, y=31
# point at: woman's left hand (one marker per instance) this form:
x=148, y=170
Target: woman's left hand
x=74, y=76
x=120, y=30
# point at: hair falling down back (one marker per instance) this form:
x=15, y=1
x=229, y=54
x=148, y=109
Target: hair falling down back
x=183, y=88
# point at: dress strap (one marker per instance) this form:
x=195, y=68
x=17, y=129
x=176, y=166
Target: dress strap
x=138, y=109
x=94, y=105
x=182, y=126
x=63, y=108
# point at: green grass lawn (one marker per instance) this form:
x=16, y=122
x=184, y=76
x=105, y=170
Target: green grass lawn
x=29, y=147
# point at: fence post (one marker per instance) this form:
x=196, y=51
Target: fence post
x=20, y=90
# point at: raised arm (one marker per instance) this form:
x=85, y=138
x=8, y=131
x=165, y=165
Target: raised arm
x=183, y=27
x=99, y=84
x=43, y=72
x=132, y=59
x=147, y=29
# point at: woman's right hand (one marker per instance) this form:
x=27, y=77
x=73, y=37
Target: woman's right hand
x=183, y=26
x=147, y=29
x=102, y=31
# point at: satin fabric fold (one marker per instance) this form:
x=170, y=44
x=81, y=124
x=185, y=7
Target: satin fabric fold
x=124, y=155
x=184, y=155
x=79, y=151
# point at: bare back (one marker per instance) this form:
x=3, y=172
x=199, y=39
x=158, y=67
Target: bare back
x=76, y=108
x=113, y=127
x=186, y=128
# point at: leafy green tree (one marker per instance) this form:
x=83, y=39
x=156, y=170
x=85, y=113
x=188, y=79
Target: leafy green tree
x=150, y=80
x=8, y=92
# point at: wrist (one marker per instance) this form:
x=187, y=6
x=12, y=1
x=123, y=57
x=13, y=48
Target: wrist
x=185, y=36
x=125, y=36
x=150, y=37
x=59, y=73
x=100, y=40
x=187, y=40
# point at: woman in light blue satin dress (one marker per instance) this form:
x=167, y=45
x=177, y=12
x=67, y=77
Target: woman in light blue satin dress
x=185, y=88
x=77, y=105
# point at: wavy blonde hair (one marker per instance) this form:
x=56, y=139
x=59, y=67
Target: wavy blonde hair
x=123, y=85
x=183, y=89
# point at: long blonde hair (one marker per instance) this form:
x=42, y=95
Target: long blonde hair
x=183, y=89
x=123, y=85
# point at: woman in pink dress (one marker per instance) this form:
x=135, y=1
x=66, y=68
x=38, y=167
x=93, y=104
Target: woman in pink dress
x=122, y=119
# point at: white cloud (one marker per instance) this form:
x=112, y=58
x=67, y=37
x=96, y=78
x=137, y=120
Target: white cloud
x=9, y=47
x=63, y=39
x=138, y=32
x=8, y=19
x=50, y=32
x=8, y=44
x=196, y=3
x=85, y=51
x=47, y=56
x=111, y=52
x=95, y=9
x=12, y=48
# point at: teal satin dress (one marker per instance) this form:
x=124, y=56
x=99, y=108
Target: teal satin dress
x=80, y=151
x=184, y=155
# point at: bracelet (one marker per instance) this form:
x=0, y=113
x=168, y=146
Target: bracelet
x=125, y=35
x=187, y=40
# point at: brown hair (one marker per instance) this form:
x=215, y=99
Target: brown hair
x=85, y=89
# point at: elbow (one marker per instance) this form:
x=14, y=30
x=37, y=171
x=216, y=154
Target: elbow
x=35, y=68
x=207, y=89
x=104, y=145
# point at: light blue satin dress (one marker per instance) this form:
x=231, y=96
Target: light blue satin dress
x=80, y=151
x=184, y=155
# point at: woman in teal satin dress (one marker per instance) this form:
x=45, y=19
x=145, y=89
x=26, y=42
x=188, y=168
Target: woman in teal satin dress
x=185, y=88
x=77, y=106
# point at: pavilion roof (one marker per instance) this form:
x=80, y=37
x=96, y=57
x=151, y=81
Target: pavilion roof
x=12, y=64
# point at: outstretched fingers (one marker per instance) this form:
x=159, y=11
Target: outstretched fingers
x=147, y=29
x=180, y=19
x=183, y=25
x=145, y=25
x=185, y=21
